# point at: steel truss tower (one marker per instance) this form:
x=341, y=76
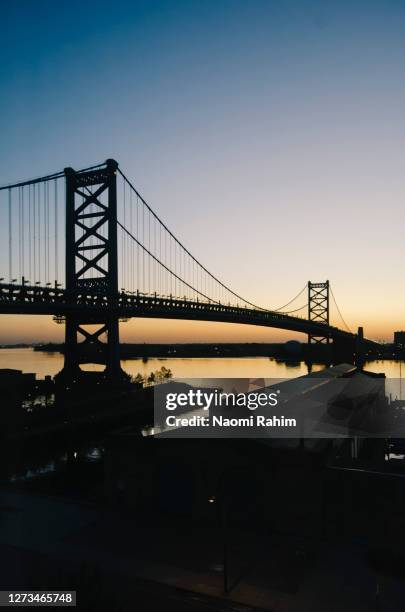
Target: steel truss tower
x=318, y=308
x=92, y=266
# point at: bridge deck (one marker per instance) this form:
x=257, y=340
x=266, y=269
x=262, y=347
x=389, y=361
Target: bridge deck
x=91, y=306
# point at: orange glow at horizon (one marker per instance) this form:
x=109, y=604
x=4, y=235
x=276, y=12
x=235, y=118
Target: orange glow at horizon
x=34, y=329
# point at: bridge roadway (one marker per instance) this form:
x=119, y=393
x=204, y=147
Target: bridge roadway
x=91, y=305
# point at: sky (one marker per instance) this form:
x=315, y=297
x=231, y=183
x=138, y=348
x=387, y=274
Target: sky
x=270, y=136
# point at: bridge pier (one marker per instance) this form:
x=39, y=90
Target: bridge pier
x=344, y=350
x=351, y=349
x=360, y=349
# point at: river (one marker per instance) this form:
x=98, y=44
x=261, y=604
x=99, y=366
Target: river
x=43, y=363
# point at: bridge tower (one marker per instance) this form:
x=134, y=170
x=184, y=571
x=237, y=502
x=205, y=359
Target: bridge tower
x=318, y=308
x=92, y=267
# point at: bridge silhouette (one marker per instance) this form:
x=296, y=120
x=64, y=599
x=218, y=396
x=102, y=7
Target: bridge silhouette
x=120, y=260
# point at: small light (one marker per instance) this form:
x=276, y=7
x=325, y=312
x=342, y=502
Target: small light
x=211, y=500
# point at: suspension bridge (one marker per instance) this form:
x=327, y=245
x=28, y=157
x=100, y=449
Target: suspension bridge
x=85, y=247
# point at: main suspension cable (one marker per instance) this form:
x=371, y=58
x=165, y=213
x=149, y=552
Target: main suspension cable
x=291, y=301
x=163, y=265
x=338, y=309
x=185, y=249
x=48, y=177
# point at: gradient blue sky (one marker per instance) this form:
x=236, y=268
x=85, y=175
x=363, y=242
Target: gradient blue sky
x=269, y=135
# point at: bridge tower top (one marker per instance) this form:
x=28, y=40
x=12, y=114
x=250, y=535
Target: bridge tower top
x=318, y=308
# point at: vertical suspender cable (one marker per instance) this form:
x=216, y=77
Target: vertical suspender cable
x=149, y=244
x=10, y=239
x=34, y=194
x=19, y=235
x=23, y=231
x=138, y=278
x=45, y=222
x=132, y=242
x=143, y=252
x=29, y=236
x=123, y=264
x=56, y=230
x=39, y=232
x=48, y=237
x=46, y=206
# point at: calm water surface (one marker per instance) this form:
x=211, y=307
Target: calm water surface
x=43, y=363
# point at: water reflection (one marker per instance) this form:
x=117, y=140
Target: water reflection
x=38, y=401
x=55, y=461
x=43, y=363
x=30, y=474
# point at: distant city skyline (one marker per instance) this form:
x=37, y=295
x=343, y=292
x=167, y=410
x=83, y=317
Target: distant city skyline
x=268, y=135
